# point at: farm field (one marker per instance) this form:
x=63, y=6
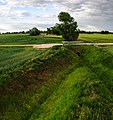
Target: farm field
x=23, y=39
x=96, y=38
x=59, y=84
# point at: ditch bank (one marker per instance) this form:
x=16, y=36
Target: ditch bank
x=71, y=82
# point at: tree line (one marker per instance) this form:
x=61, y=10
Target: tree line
x=54, y=31
x=95, y=32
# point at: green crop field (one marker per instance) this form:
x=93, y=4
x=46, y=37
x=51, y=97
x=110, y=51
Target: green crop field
x=58, y=84
x=20, y=39
x=102, y=38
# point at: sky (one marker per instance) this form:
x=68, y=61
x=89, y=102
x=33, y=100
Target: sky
x=22, y=15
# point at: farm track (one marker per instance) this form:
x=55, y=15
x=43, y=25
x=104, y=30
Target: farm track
x=33, y=45
x=51, y=45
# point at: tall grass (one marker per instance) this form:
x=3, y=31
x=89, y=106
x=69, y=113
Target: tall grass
x=59, y=85
x=31, y=86
x=85, y=94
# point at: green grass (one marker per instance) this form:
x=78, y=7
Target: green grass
x=58, y=84
x=85, y=94
x=20, y=39
x=13, y=58
x=102, y=38
x=31, y=86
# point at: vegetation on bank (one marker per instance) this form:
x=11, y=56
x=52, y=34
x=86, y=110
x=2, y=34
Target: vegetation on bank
x=26, y=89
x=13, y=58
x=59, y=84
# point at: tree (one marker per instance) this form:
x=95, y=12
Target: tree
x=48, y=31
x=104, y=32
x=68, y=27
x=53, y=30
x=34, y=31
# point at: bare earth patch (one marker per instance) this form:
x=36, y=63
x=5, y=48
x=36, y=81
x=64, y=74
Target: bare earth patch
x=45, y=45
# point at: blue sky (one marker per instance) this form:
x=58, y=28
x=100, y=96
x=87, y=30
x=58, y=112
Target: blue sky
x=19, y=15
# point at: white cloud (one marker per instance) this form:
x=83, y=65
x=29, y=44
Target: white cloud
x=22, y=14
x=90, y=28
x=35, y=3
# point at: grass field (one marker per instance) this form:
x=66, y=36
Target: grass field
x=59, y=84
x=102, y=38
x=20, y=39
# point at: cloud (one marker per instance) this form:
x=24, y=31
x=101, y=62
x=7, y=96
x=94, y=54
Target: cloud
x=22, y=14
x=34, y=3
x=90, y=28
x=2, y=29
x=91, y=13
x=27, y=26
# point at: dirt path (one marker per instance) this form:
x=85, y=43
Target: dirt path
x=45, y=45
x=32, y=45
x=51, y=45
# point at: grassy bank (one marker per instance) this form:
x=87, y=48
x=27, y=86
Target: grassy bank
x=33, y=84
x=86, y=93
x=59, y=84
x=13, y=58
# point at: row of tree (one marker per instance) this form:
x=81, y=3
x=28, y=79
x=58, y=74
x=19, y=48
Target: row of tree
x=21, y=32
x=55, y=31
x=95, y=32
x=27, y=32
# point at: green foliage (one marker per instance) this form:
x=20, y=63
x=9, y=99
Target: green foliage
x=34, y=31
x=104, y=32
x=65, y=17
x=69, y=26
x=53, y=30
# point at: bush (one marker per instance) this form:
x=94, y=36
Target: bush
x=34, y=31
